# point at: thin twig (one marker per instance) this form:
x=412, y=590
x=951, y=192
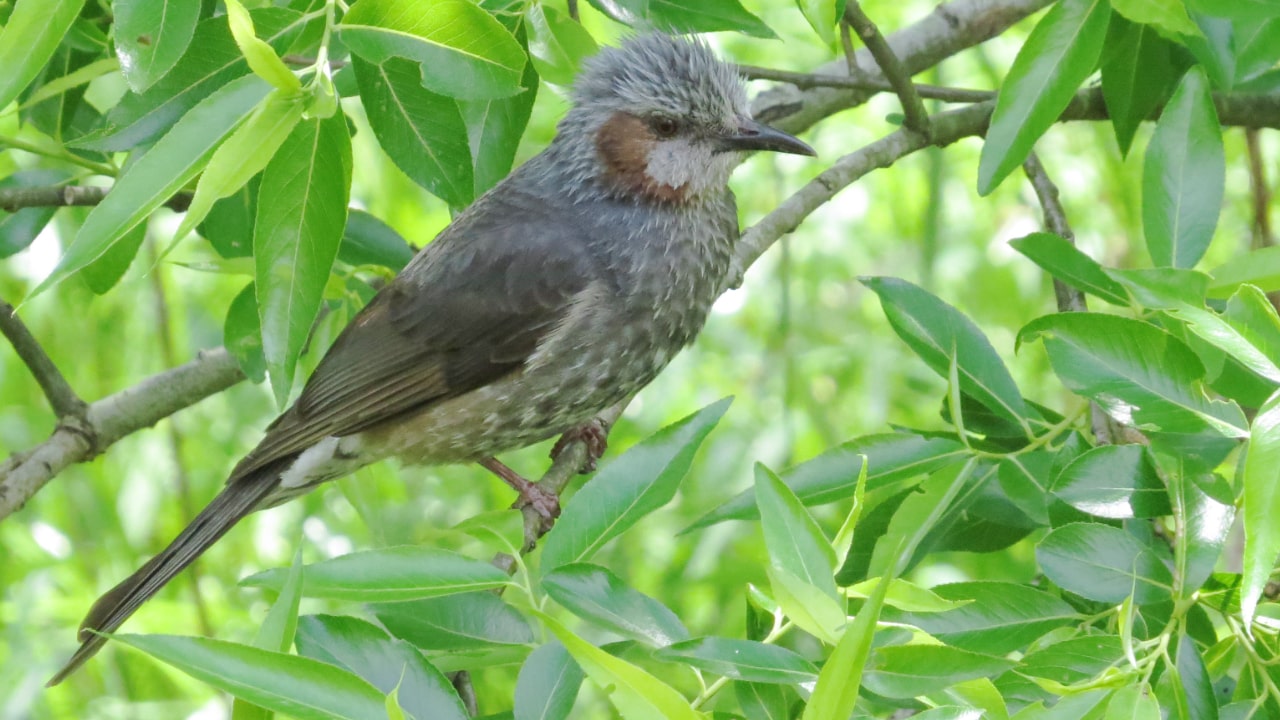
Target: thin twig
x=573, y=10
x=862, y=82
x=894, y=71
x=62, y=398
x=846, y=44
x=1260, y=191
x=12, y=199
x=58, y=153
x=113, y=417
x=1070, y=299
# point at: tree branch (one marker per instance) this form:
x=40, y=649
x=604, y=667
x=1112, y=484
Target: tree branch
x=949, y=29
x=912, y=108
x=862, y=82
x=61, y=397
x=12, y=199
x=111, y=418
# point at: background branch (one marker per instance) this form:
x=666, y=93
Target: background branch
x=61, y=397
x=912, y=107
x=111, y=418
x=12, y=199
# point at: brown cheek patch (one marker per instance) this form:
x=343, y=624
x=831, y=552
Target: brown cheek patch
x=624, y=143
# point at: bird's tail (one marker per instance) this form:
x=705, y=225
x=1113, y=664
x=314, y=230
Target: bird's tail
x=236, y=500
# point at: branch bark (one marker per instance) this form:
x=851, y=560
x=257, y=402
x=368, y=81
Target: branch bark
x=104, y=422
x=12, y=199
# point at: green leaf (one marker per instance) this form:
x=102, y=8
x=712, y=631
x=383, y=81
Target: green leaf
x=1063, y=260
x=762, y=701
x=836, y=692
x=1113, y=481
x=229, y=225
x=276, y=632
x=102, y=274
x=795, y=542
x=494, y=129
x=557, y=44
x=369, y=241
x=640, y=481
x=1183, y=176
x=1260, y=267
x=1260, y=477
x=1139, y=71
x=262, y=60
x=469, y=621
x=296, y=686
x=242, y=335
x=597, y=595
x=407, y=572
x=998, y=618
x=1074, y=660
x=1133, y=703
x=1060, y=53
x=246, y=151
x=1168, y=15
x=151, y=35
x=1248, y=330
x=741, y=660
x=547, y=685
x=635, y=693
x=906, y=596
x=302, y=209
x=421, y=131
x=1186, y=688
x=1163, y=287
x=1208, y=521
x=28, y=40
x=923, y=515
x=464, y=52
x=833, y=475
x=808, y=606
x=212, y=60
x=19, y=229
x=694, y=16
x=1137, y=373
x=906, y=671
x=942, y=335
x=156, y=176
x=389, y=665
x=822, y=16
x=1103, y=563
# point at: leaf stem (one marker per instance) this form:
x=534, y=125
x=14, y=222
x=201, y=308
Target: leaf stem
x=59, y=154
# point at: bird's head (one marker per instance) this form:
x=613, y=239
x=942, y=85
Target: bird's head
x=666, y=119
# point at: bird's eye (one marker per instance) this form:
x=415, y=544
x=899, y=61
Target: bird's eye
x=664, y=127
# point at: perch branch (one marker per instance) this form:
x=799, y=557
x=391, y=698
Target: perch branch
x=111, y=418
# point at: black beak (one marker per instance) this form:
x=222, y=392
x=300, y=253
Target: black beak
x=752, y=135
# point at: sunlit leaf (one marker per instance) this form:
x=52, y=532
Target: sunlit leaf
x=151, y=35
x=1060, y=53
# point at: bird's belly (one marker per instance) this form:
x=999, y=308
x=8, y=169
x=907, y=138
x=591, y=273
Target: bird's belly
x=521, y=409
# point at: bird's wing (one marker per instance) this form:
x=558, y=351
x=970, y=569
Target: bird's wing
x=469, y=311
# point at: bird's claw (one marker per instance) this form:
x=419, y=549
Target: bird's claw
x=593, y=434
x=543, y=502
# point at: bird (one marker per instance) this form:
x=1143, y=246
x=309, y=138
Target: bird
x=555, y=295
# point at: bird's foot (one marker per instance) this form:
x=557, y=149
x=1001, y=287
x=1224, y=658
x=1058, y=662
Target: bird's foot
x=593, y=434
x=544, y=502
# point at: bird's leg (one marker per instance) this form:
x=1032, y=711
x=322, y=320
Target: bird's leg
x=593, y=434
x=543, y=501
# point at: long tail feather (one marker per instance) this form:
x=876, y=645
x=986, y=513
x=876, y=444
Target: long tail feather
x=237, y=500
